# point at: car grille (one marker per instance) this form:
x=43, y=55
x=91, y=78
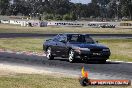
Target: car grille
x=95, y=50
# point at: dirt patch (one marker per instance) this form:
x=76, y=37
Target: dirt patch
x=13, y=69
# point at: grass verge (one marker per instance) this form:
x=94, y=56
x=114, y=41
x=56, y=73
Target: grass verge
x=121, y=49
x=4, y=28
x=41, y=81
x=22, y=44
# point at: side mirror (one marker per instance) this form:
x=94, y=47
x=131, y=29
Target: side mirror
x=63, y=41
x=48, y=39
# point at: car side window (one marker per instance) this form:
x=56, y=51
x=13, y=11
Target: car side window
x=89, y=40
x=62, y=38
x=56, y=38
x=72, y=38
x=59, y=38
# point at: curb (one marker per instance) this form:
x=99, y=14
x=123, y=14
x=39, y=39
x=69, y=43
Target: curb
x=22, y=52
x=120, y=61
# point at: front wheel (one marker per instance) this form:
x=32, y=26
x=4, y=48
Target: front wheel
x=49, y=54
x=102, y=61
x=71, y=56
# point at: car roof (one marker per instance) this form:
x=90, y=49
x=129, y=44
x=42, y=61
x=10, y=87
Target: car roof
x=73, y=34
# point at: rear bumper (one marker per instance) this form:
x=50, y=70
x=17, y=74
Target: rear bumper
x=92, y=55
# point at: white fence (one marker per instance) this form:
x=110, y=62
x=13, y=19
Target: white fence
x=59, y=23
x=33, y=23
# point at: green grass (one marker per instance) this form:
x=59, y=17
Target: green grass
x=22, y=44
x=45, y=30
x=121, y=49
x=44, y=81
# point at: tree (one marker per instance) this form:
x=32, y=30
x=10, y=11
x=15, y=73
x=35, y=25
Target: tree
x=64, y=9
x=67, y=17
x=112, y=9
x=4, y=5
x=49, y=17
x=120, y=8
x=126, y=8
x=20, y=6
x=94, y=10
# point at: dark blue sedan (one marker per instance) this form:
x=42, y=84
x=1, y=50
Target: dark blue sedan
x=76, y=47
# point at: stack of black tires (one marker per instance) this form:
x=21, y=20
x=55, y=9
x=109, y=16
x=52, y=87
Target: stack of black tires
x=108, y=26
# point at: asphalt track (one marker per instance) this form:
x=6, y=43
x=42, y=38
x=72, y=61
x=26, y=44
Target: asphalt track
x=13, y=35
x=110, y=70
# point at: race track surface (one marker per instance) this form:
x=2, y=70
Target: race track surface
x=110, y=70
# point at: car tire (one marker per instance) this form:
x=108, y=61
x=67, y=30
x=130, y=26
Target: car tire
x=49, y=54
x=102, y=61
x=71, y=56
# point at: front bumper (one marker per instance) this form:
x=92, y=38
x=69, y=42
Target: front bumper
x=92, y=55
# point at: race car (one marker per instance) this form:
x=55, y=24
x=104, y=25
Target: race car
x=75, y=47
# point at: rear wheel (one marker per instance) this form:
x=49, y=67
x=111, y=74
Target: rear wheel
x=49, y=54
x=71, y=56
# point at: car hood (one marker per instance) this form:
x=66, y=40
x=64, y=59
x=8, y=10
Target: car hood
x=90, y=46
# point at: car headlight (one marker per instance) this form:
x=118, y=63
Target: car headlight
x=106, y=50
x=81, y=49
x=85, y=49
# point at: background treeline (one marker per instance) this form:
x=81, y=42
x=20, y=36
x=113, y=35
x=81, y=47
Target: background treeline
x=66, y=10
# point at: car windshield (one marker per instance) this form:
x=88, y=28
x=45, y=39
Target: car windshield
x=80, y=39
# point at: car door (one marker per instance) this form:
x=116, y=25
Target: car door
x=62, y=46
x=54, y=45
